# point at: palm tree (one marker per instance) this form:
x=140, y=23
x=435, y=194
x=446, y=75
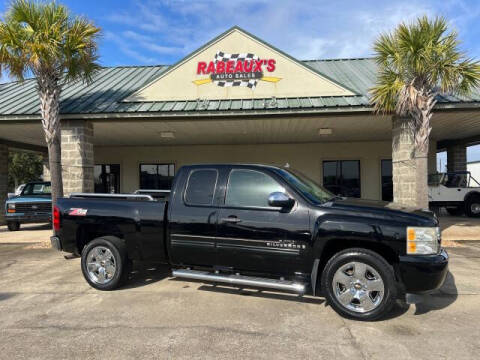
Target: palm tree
x=44, y=40
x=417, y=62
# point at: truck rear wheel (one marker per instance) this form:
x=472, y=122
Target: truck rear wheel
x=359, y=284
x=472, y=206
x=13, y=225
x=104, y=263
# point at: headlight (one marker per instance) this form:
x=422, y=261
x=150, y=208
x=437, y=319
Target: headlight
x=10, y=207
x=423, y=240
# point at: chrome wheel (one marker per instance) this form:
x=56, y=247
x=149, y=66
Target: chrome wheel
x=358, y=287
x=101, y=265
x=475, y=208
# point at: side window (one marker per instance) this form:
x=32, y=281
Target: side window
x=201, y=187
x=250, y=188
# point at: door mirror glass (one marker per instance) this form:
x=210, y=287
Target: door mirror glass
x=280, y=199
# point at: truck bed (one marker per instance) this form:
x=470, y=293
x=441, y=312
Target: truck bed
x=137, y=220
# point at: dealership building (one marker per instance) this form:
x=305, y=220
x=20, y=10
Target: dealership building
x=235, y=99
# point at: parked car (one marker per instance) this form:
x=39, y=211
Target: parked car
x=457, y=191
x=33, y=205
x=259, y=226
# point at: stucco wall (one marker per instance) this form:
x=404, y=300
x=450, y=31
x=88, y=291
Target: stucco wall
x=304, y=157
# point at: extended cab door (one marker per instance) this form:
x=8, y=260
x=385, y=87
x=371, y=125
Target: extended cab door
x=193, y=217
x=254, y=236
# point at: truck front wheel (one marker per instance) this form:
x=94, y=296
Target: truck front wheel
x=13, y=225
x=359, y=284
x=472, y=206
x=104, y=263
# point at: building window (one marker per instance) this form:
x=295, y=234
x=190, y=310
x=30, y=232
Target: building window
x=107, y=178
x=201, y=187
x=387, y=183
x=342, y=177
x=156, y=176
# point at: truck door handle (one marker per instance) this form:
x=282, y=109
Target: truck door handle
x=231, y=219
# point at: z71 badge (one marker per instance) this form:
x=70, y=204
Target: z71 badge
x=290, y=244
x=77, y=212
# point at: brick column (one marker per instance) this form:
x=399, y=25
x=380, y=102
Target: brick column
x=456, y=158
x=77, y=156
x=3, y=181
x=403, y=163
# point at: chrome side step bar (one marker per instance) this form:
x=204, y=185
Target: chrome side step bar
x=285, y=285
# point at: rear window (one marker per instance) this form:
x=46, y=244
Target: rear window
x=201, y=187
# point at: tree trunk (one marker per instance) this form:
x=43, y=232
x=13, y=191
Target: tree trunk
x=49, y=91
x=54, y=159
x=422, y=137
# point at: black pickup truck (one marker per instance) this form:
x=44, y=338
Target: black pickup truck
x=259, y=226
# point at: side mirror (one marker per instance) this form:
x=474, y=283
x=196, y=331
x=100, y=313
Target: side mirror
x=280, y=199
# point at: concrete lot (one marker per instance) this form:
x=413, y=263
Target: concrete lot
x=47, y=310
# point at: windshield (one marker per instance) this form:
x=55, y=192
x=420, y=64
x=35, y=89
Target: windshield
x=37, y=189
x=307, y=187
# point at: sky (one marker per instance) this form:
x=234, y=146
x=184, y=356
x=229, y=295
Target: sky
x=163, y=31
x=148, y=32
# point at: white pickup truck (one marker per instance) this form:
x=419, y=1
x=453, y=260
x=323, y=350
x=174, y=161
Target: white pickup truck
x=458, y=192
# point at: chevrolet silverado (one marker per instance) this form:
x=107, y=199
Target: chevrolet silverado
x=263, y=227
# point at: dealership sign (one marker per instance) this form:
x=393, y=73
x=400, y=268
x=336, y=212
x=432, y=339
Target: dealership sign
x=236, y=70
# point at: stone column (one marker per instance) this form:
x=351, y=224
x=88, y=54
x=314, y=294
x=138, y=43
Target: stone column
x=3, y=181
x=456, y=158
x=77, y=156
x=403, y=163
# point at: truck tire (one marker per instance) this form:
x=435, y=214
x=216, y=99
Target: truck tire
x=359, y=284
x=13, y=225
x=104, y=262
x=472, y=206
x=455, y=211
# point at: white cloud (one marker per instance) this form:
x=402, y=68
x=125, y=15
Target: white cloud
x=305, y=29
x=127, y=48
x=149, y=43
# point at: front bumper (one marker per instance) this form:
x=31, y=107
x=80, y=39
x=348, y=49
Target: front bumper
x=28, y=219
x=423, y=273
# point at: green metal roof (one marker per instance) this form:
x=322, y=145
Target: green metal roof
x=111, y=85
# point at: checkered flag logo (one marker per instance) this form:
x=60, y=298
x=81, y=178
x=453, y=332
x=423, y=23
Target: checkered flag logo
x=221, y=56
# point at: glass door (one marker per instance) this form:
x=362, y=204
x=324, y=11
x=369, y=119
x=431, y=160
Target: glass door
x=107, y=178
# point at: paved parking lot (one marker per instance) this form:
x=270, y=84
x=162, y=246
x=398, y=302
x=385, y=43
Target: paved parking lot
x=48, y=311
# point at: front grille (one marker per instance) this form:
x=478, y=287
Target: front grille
x=32, y=208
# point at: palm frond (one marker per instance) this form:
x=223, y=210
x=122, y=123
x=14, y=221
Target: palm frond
x=44, y=38
x=425, y=58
